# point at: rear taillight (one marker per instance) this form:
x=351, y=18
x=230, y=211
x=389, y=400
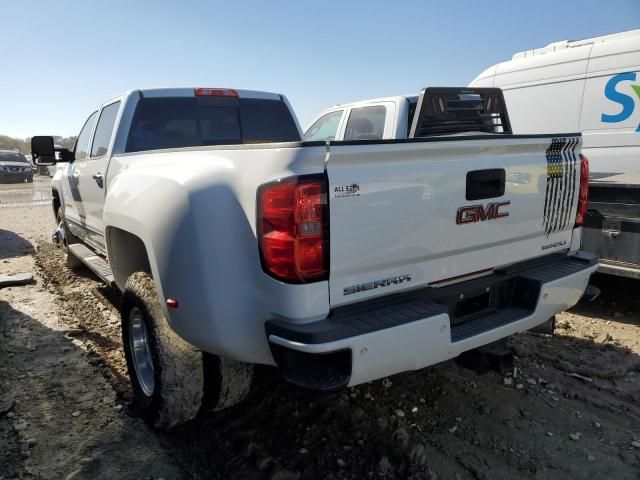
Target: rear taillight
x=293, y=228
x=583, y=194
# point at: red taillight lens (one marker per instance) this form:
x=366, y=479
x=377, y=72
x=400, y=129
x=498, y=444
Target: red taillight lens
x=216, y=92
x=292, y=228
x=583, y=194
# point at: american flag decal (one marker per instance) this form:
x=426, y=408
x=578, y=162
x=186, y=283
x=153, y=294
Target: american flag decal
x=562, y=174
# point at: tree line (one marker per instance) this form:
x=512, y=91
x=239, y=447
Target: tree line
x=24, y=145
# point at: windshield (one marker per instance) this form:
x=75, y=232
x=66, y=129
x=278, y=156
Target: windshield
x=13, y=157
x=175, y=122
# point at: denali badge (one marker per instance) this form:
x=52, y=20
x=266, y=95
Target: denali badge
x=376, y=283
x=480, y=213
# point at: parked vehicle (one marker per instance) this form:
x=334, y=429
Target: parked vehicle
x=375, y=119
x=14, y=167
x=340, y=263
x=393, y=118
x=593, y=86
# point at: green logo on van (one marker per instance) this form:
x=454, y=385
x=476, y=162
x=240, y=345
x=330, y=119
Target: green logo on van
x=627, y=102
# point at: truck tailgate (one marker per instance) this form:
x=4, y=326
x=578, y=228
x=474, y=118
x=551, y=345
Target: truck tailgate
x=430, y=212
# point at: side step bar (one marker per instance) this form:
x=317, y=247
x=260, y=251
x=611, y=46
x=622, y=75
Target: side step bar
x=93, y=261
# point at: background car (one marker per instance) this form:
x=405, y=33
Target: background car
x=14, y=167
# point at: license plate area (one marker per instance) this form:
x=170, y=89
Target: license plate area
x=475, y=302
x=472, y=304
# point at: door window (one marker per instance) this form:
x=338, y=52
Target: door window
x=82, y=143
x=325, y=128
x=104, y=130
x=366, y=123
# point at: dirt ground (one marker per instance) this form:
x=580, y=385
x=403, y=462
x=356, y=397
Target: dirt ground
x=571, y=411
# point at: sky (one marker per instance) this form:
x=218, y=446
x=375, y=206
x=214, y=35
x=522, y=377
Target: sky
x=61, y=59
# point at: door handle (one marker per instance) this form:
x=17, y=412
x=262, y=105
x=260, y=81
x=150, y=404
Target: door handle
x=98, y=177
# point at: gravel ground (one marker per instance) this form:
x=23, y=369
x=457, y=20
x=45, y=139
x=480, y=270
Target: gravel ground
x=572, y=409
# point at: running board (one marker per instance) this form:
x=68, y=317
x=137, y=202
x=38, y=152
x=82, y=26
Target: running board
x=93, y=261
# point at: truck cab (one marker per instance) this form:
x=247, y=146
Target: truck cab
x=376, y=119
x=154, y=119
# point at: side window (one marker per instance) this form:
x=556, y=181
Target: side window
x=102, y=138
x=82, y=142
x=325, y=127
x=366, y=123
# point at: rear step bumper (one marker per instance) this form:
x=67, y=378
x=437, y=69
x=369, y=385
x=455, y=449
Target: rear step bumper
x=409, y=331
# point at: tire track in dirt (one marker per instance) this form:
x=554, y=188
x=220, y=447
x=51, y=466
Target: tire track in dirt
x=63, y=419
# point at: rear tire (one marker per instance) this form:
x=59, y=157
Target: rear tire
x=227, y=382
x=71, y=260
x=182, y=378
x=169, y=388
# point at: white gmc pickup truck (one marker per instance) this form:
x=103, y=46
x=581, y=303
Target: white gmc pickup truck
x=236, y=243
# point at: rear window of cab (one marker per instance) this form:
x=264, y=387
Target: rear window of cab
x=175, y=122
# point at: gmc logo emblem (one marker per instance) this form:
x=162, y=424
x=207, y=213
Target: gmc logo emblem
x=480, y=213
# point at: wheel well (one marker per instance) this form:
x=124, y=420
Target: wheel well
x=127, y=254
x=55, y=196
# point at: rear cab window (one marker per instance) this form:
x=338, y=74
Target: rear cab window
x=366, y=123
x=176, y=122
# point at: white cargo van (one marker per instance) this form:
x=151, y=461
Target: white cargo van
x=592, y=86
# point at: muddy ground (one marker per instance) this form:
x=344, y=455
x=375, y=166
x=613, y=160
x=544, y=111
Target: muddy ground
x=571, y=411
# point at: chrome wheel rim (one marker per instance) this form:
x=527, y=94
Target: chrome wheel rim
x=141, y=351
x=61, y=232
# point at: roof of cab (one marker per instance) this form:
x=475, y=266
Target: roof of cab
x=377, y=100
x=188, y=92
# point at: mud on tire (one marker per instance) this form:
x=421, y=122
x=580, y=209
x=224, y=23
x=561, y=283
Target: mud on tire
x=71, y=260
x=184, y=378
x=178, y=378
x=226, y=382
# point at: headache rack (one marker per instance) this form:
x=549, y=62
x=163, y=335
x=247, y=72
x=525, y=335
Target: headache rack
x=451, y=111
